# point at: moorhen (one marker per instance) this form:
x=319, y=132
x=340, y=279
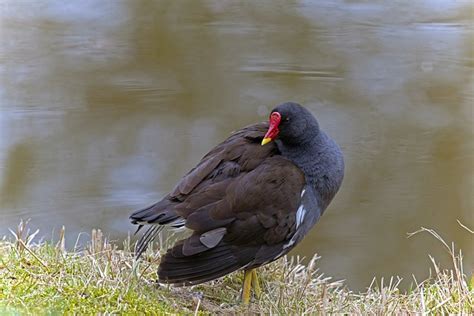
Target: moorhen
x=248, y=202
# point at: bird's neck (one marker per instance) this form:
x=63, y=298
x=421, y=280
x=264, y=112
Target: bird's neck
x=321, y=161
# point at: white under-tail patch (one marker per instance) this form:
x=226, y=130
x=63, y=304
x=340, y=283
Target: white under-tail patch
x=177, y=223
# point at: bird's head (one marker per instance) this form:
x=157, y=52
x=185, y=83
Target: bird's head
x=292, y=124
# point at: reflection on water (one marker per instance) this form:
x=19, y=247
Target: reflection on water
x=104, y=105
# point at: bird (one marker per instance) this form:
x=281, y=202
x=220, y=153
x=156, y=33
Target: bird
x=248, y=202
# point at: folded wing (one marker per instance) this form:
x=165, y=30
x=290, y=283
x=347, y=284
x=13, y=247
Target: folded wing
x=240, y=202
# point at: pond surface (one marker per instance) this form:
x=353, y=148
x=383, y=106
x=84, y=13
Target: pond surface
x=104, y=105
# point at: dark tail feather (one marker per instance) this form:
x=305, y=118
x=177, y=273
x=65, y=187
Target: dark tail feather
x=138, y=229
x=158, y=214
x=214, y=263
x=146, y=239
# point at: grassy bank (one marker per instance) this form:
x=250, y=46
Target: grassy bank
x=44, y=278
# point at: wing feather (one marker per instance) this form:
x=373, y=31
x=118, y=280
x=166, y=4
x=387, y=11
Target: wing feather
x=238, y=201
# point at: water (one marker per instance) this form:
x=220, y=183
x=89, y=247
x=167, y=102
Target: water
x=105, y=104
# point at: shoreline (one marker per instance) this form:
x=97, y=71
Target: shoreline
x=40, y=278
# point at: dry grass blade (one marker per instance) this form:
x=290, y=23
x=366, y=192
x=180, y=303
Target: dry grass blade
x=465, y=227
x=101, y=279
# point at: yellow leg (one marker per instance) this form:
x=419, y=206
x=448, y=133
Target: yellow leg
x=256, y=284
x=246, y=286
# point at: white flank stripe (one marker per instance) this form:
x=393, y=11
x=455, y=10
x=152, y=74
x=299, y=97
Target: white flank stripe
x=290, y=243
x=300, y=213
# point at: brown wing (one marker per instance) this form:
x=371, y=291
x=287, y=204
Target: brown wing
x=241, y=152
x=248, y=226
x=240, y=201
x=238, y=154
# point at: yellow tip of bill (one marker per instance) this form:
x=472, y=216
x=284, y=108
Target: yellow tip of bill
x=266, y=140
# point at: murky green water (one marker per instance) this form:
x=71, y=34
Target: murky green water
x=105, y=104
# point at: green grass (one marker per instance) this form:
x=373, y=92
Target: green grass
x=44, y=278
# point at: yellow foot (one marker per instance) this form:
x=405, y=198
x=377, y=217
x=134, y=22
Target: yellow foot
x=256, y=284
x=250, y=281
x=246, y=287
